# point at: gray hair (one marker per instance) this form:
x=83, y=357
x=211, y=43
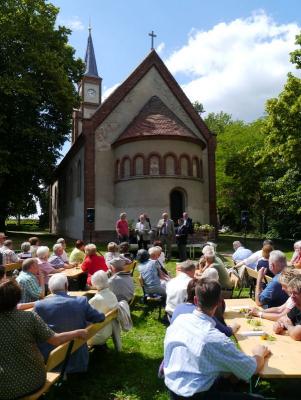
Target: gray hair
x=297, y=244
x=90, y=249
x=56, y=247
x=61, y=240
x=25, y=246
x=58, y=283
x=187, y=266
x=100, y=280
x=278, y=258
x=210, y=273
x=154, y=250
x=26, y=265
x=236, y=244
x=42, y=252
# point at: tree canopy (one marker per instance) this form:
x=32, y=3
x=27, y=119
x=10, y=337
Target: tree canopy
x=37, y=75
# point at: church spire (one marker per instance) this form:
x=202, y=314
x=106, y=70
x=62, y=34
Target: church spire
x=90, y=61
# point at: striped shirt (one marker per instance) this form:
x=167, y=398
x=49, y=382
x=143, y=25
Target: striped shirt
x=8, y=256
x=196, y=353
x=31, y=290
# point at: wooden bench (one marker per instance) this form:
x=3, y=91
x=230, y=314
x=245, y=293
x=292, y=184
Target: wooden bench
x=253, y=274
x=61, y=354
x=11, y=267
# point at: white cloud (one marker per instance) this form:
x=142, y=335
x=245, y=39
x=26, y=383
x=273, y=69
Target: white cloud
x=236, y=66
x=74, y=23
x=160, y=48
x=108, y=91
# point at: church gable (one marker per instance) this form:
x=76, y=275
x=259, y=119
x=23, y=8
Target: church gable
x=151, y=78
x=156, y=120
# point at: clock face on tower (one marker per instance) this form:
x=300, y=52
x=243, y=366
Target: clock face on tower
x=91, y=93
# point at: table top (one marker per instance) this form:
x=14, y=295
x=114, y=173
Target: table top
x=285, y=360
x=72, y=272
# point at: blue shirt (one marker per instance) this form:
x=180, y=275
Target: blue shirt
x=63, y=313
x=187, y=308
x=150, y=275
x=273, y=295
x=241, y=254
x=196, y=353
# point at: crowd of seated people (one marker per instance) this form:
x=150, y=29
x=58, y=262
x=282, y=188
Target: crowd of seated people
x=194, y=303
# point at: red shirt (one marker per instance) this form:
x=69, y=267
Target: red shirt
x=92, y=264
x=122, y=227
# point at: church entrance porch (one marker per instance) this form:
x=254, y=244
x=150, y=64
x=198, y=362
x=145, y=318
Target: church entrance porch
x=177, y=204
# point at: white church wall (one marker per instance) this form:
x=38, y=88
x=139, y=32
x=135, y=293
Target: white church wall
x=150, y=85
x=71, y=222
x=151, y=195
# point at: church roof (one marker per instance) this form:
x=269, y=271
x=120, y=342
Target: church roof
x=90, y=60
x=156, y=120
x=152, y=60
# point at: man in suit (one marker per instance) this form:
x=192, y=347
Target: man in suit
x=64, y=313
x=181, y=239
x=166, y=230
x=188, y=223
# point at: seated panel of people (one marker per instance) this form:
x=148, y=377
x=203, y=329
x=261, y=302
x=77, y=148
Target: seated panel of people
x=252, y=260
x=62, y=313
x=24, y=371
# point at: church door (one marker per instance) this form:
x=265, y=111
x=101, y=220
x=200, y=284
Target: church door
x=177, y=204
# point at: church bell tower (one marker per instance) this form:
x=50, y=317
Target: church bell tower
x=90, y=86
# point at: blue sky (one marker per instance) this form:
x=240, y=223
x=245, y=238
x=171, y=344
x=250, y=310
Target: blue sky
x=231, y=55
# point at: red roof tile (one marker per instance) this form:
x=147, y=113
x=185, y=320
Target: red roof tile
x=156, y=119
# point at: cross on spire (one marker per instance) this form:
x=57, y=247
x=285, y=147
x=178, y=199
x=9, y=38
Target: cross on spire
x=152, y=35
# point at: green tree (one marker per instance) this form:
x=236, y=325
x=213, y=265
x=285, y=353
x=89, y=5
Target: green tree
x=37, y=75
x=281, y=155
x=199, y=108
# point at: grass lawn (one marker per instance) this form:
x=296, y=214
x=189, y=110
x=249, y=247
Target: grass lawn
x=132, y=373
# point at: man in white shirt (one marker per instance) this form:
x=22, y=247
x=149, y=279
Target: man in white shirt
x=143, y=232
x=252, y=260
x=196, y=353
x=176, y=288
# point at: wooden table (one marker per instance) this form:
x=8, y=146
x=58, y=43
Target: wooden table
x=74, y=272
x=285, y=360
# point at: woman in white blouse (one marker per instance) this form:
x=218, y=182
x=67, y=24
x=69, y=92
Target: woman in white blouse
x=104, y=301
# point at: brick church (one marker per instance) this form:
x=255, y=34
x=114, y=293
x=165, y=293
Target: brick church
x=143, y=149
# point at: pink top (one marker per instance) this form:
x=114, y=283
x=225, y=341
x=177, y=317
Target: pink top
x=46, y=268
x=122, y=227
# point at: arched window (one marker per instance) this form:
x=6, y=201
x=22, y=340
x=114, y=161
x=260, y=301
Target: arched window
x=154, y=165
x=170, y=164
x=79, y=178
x=184, y=165
x=195, y=167
x=139, y=165
x=126, y=167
